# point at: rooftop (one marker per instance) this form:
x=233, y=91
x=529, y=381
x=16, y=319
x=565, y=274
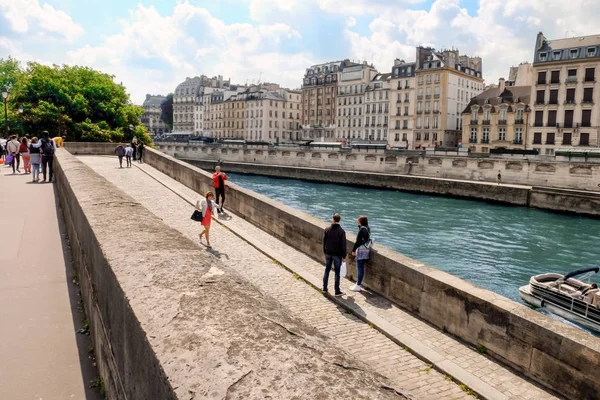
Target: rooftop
x=494, y=96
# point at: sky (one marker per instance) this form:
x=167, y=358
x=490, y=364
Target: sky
x=151, y=46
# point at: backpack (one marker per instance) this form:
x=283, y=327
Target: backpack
x=47, y=147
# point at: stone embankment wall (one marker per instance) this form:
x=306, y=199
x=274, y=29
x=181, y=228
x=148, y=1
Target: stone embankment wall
x=169, y=321
x=553, y=354
x=514, y=169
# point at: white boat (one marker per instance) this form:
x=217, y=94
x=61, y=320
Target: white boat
x=565, y=296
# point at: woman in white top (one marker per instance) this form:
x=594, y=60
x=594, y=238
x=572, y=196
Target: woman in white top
x=206, y=206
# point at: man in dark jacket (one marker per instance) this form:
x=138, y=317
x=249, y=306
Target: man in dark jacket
x=334, y=247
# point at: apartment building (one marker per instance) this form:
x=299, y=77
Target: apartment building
x=352, y=83
x=377, y=108
x=152, y=115
x=184, y=103
x=234, y=117
x=446, y=82
x=497, y=118
x=402, y=100
x=565, y=94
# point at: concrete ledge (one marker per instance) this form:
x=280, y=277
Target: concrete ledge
x=558, y=356
x=169, y=321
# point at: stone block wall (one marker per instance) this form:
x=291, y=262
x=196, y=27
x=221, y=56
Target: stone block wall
x=554, y=354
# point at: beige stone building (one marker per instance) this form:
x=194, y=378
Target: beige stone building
x=566, y=94
x=402, y=102
x=497, y=118
x=353, y=80
x=152, y=115
x=319, y=90
x=446, y=82
x=377, y=108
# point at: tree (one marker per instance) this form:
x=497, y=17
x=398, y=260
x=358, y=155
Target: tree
x=82, y=103
x=166, y=113
x=10, y=71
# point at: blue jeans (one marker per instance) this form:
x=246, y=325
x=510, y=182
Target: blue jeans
x=360, y=266
x=337, y=262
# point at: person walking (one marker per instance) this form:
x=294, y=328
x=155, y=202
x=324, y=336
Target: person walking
x=207, y=207
x=219, y=179
x=140, y=151
x=499, y=178
x=361, y=250
x=128, y=153
x=134, y=144
x=48, y=149
x=334, y=247
x=120, y=152
x=25, y=154
x=12, y=147
x=36, y=159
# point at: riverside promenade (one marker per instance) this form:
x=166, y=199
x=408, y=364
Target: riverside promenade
x=41, y=355
x=377, y=332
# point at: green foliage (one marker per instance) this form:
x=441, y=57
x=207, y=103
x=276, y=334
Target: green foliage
x=166, y=113
x=79, y=102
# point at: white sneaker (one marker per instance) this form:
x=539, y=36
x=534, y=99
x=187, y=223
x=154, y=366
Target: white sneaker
x=355, y=288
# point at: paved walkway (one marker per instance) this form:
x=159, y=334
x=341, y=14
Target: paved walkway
x=41, y=356
x=385, y=352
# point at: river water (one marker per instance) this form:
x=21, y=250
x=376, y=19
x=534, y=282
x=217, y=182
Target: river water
x=493, y=246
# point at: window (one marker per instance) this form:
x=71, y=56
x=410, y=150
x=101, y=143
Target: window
x=474, y=115
x=436, y=106
x=418, y=136
x=518, y=135
x=420, y=80
x=591, y=51
x=486, y=135
x=405, y=124
x=435, y=122
x=570, y=96
x=590, y=74
x=437, y=78
x=584, y=139
x=397, y=137
x=473, y=138
x=573, y=53
x=555, y=77
x=419, y=123
x=539, y=118
x=566, y=138
x=503, y=114
x=426, y=122
x=572, y=75
x=537, y=138
x=427, y=107
x=543, y=56
x=551, y=118
x=405, y=110
x=419, y=107
x=586, y=118
x=436, y=91
x=486, y=115
x=420, y=93
x=428, y=92
x=588, y=95
x=539, y=98
x=568, y=118
x=550, y=138
x=502, y=134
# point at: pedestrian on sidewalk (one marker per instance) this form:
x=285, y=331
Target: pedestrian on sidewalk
x=207, y=207
x=48, y=148
x=499, y=177
x=334, y=247
x=36, y=159
x=134, y=144
x=120, y=152
x=24, y=150
x=219, y=179
x=361, y=250
x=140, y=151
x=128, y=153
x=12, y=148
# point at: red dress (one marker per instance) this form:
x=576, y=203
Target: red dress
x=206, y=219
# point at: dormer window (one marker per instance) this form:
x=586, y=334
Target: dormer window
x=573, y=53
x=543, y=56
x=556, y=55
x=591, y=51
x=474, y=113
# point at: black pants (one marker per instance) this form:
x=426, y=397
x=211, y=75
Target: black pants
x=17, y=159
x=120, y=161
x=128, y=160
x=220, y=192
x=47, y=161
x=140, y=155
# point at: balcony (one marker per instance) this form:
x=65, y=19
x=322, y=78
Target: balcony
x=398, y=101
x=419, y=112
x=568, y=125
x=436, y=96
x=473, y=122
x=540, y=102
x=517, y=141
x=590, y=79
x=406, y=101
x=485, y=141
x=427, y=111
x=587, y=101
x=397, y=127
x=406, y=87
x=385, y=125
x=538, y=124
x=571, y=80
x=570, y=102
x=398, y=114
x=428, y=96
x=586, y=124
x=485, y=122
x=550, y=141
x=399, y=87
x=420, y=97
x=473, y=140
x=543, y=82
x=554, y=81
x=436, y=111
x=501, y=122
x=553, y=102
x=405, y=114
x=405, y=127
x=519, y=121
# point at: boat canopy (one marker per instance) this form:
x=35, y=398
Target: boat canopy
x=581, y=271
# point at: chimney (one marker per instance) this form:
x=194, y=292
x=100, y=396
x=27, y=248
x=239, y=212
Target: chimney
x=501, y=85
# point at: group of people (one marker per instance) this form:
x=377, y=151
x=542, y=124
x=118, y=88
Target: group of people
x=35, y=153
x=131, y=151
x=334, y=237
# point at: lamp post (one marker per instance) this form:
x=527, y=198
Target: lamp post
x=21, y=120
x=4, y=98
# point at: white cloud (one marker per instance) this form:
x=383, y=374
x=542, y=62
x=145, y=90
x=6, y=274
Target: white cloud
x=191, y=42
x=350, y=22
x=31, y=17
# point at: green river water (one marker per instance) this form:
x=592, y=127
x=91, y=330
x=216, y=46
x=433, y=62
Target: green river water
x=496, y=247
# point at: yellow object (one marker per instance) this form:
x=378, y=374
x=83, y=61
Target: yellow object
x=59, y=141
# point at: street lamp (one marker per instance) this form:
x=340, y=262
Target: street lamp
x=21, y=120
x=4, y=98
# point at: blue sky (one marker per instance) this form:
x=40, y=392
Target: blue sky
x=152, y=45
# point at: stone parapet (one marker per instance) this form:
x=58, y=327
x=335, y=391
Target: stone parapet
x=169, y=321
x=556, y=355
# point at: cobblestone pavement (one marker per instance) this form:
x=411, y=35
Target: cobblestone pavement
x=350, y=333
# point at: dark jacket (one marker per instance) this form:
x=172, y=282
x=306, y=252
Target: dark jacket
x=334, y=241
x=364, y=233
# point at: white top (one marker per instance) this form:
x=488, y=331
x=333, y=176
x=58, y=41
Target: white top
x=203, y=205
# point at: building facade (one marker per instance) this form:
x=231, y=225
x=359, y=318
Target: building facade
x=353, y=80
x=152, y=115
x=377, y=109
x=566, y=94
x=402, y=101
x=446, y=82
x=497, y=118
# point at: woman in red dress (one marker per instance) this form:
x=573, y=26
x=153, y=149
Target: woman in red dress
x=206, y=206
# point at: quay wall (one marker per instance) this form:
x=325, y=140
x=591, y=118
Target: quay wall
x=521, y=170
x=560, y=357
x=169, y=321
